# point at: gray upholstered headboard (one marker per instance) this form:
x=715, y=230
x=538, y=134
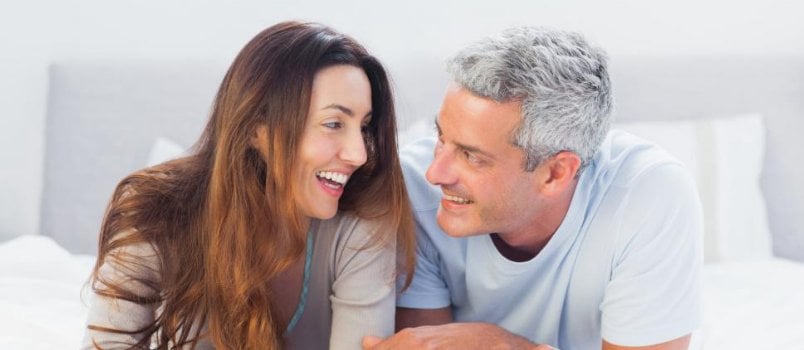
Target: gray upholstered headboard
x=707, y=87
x=103, y=119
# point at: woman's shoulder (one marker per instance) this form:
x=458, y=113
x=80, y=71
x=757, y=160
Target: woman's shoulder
x=159, y=196
x=131, y=258
x=352, y=242
x=349, y=229
x=170, y=173
x=350, y=221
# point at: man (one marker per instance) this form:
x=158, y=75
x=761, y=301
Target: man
x=539, y=228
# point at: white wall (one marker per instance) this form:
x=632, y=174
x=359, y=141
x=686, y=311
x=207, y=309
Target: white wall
x=37, y=32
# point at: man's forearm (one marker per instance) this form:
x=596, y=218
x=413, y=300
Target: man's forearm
x=453, y=336
x=407, y=318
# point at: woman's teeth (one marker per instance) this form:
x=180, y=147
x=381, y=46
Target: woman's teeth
x=333, y=176
x=456, y=199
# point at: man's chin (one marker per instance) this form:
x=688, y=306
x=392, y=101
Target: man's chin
x=454, y=226
x=459, y=234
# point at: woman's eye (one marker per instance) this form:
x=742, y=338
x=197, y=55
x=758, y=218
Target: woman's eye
x=333, y=125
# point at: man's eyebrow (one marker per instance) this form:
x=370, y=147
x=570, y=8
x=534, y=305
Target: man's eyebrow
x=473, y=149
x=465, y=147
x=344, y=109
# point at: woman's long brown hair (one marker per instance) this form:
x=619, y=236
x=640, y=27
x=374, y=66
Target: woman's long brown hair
x=222, y=220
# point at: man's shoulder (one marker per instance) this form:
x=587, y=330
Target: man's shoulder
x=623, y=159
x=636, y=181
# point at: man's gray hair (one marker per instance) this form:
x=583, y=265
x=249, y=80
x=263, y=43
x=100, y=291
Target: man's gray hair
x=562, y=81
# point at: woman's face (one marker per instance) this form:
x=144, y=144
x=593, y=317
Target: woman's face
x=332, y=145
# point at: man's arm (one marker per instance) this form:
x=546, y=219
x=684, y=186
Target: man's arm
x=407, y=317
x=482, y=336
x=432, y=328
x=654, y=292
x=452, y=336
x=681, y=343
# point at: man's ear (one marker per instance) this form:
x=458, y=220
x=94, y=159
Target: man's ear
x=559, y=172
x=259, y=139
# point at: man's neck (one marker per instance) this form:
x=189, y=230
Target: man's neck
x=529, y=241
x=514, y=253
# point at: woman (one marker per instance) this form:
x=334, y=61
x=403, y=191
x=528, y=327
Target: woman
x=281, y=229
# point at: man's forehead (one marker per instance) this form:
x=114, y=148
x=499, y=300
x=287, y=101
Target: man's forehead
x=488, y=137
x=466, y=107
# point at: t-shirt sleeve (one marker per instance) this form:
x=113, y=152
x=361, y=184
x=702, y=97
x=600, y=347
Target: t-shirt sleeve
x=120, y=314
x=654, y=291
x=428, y=289
x=363, y=288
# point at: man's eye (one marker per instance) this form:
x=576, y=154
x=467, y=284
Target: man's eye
x=471, y=157
x=438, y=146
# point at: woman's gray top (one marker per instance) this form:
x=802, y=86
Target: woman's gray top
x=351, y=291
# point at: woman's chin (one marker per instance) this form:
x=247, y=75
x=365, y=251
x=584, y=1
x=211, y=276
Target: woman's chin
x=325, y=214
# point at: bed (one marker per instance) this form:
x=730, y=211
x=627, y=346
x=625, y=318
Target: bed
x=747, y=305
x=735, y=122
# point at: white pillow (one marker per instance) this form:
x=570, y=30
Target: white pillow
x=164, y=149
x=725, y=157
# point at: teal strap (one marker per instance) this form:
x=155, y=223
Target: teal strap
x=306, y=279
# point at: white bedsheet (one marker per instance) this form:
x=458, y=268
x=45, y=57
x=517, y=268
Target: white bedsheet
x=41, y=295
x=753, y=305
x=747, y=305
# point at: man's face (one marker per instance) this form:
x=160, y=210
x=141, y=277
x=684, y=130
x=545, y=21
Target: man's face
x=485, y=187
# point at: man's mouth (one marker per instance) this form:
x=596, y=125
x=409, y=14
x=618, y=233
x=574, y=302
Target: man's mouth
x=458, y=200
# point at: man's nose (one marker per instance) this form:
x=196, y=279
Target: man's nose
x=441, y=170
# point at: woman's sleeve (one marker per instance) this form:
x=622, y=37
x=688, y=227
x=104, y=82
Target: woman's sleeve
x=363, y=291
x=120, y=314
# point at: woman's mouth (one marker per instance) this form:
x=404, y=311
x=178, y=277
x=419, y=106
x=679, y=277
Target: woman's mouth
x=333, y=180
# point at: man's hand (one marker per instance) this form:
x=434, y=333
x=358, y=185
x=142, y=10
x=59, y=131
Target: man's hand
x=451, y=336
x=681, y=343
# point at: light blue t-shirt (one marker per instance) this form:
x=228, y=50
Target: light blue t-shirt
x=623, y=265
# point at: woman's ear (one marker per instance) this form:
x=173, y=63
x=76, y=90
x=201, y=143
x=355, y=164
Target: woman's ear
x=561, y=171
x=259, y=139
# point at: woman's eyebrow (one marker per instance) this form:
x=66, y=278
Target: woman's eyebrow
x=341, y=108
x=345, y=110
